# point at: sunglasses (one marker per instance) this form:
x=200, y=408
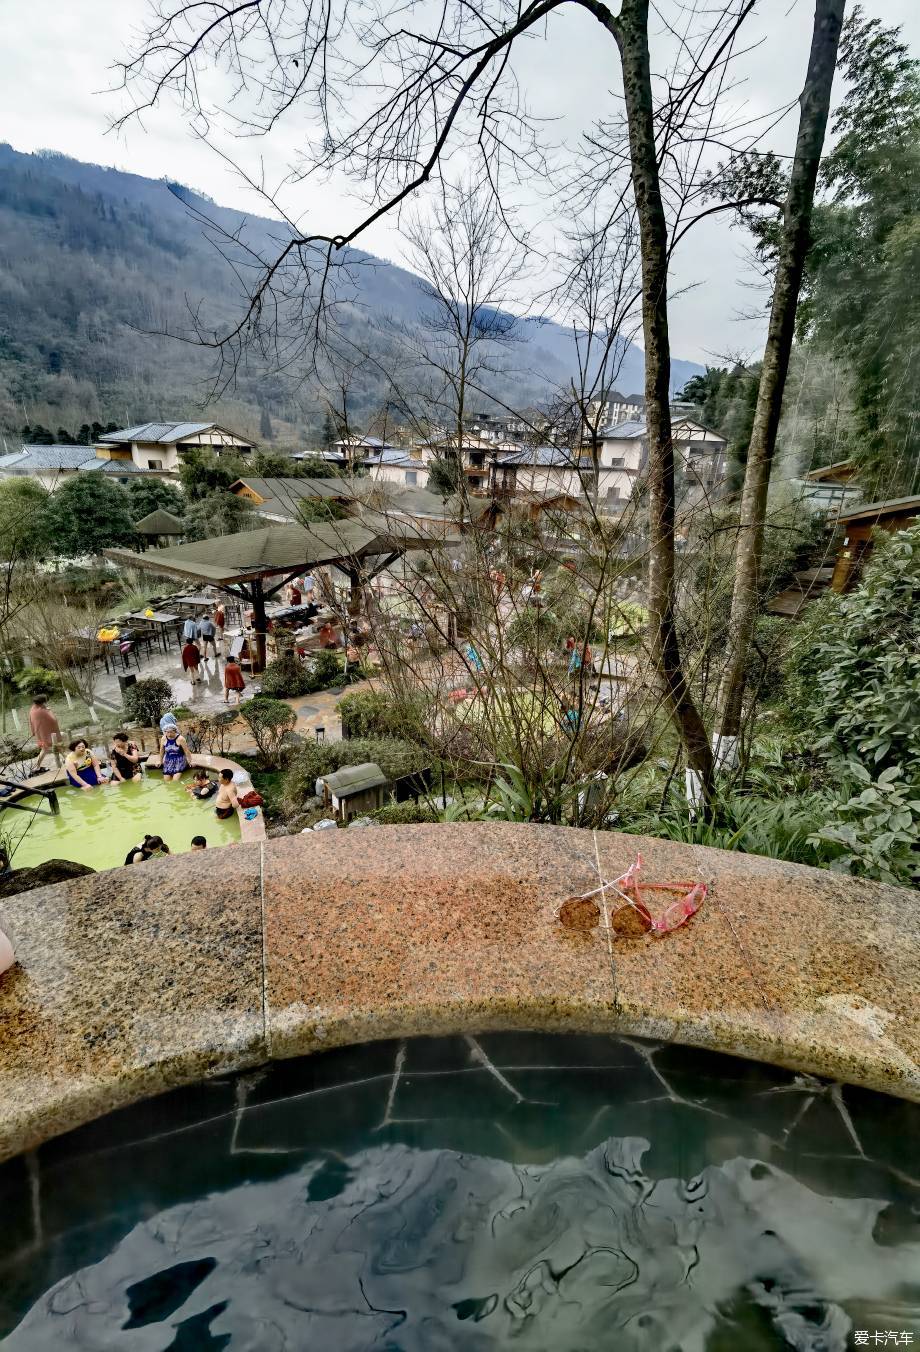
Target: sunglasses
x=583, y=913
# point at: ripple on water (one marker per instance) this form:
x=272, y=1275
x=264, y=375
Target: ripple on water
x=617, y=1211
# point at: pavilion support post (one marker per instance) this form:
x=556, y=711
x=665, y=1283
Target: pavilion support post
x=260, y=624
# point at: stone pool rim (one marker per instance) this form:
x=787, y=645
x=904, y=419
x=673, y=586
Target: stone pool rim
x=137, y=981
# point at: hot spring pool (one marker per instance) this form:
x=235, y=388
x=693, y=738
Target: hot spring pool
x=99, y=828
x=556, y=1194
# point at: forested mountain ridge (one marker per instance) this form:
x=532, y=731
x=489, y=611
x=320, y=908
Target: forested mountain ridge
x=96, y=264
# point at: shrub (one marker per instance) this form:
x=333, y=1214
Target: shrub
x=286, y=677
x=394, y=756
x=326, y=670
x=372, y=713
x=269, y=721
x=405, y=814
x=212, y=734
x=37, y=681
x=146, y=701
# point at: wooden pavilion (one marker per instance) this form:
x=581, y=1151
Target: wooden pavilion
x=254, y=565
x=158, y=524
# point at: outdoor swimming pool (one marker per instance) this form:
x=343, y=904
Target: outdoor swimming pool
x=505, y=1190
x=99, y=828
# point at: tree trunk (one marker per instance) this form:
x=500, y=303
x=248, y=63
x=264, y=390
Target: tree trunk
x=631, y=31
x=794, y=244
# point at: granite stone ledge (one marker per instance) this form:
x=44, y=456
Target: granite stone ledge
x=136, y=980
x=127, y=983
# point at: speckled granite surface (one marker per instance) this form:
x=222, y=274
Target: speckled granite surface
x=128, y=982
x=132, y=981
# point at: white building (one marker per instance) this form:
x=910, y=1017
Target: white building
x=623, y=455
x=542, y=470
x=162, y=446
x=404, y=469
x=53, y=465
x=616, y=408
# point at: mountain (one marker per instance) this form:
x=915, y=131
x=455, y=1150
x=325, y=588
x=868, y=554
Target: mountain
x=98, y=265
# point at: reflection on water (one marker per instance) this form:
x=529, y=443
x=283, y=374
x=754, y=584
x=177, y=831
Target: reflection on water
x=550, y=1194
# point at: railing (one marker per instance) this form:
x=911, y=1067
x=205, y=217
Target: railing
x=23, y=791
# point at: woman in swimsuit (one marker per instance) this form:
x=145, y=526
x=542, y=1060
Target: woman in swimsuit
x=82, y=766
x=173, y=753
x=125, y=758
x=227, y=801
x=149, y=846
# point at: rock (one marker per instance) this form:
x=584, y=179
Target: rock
x=325, y=825
x=43, y=875
x=277, y=831
x=360, y=821
x=311, y=804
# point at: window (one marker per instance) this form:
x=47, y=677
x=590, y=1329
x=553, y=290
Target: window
x=411, y=478
x=617, y=462
x=154, y=464
x=613, y=493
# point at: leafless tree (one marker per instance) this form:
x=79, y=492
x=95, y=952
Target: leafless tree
x=389, y=96
x=470, y=270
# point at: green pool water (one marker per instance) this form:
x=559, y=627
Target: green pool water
x=99, y=828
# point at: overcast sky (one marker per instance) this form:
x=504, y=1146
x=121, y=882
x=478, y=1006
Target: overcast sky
x=57, y=71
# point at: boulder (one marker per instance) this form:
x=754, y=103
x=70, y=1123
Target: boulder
x=43, y=875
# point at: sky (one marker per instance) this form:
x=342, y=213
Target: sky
x=58, y=93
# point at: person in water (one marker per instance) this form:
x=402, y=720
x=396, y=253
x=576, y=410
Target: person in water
x=227, y=800
x=125, y=758
x=173, y=753
x=199, y=843
x=233, y=680
x=149, y=846
x=202, y=786
x=82, y=766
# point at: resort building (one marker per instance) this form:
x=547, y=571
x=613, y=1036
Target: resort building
x=161, y=446
x=51, y=465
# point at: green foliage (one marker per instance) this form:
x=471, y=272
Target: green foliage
x=781, y=830
x=285, y=677
x=327, y=670
x=445, y=476
x=851, y=695
x=876, y=831
x=320, y=511
x=148, y=494
x=25, y=522
x=90, y=513
x=374, y=713
x=219, y=513
x=855, y=678
x=202, y=473
x=37, y=681
x=861, y=297
x=408, y=813
x=147, y=700
x=395, y=758
x=273, y=465
x=726, y=399
x=269, y=721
